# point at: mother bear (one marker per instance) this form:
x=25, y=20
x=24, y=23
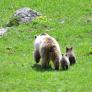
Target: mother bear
x=48, y=49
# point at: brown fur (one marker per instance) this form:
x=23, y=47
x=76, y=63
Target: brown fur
x=70, y=55
x=65, y=62
x=49, y=52
x=47, y=48
x=37, y=56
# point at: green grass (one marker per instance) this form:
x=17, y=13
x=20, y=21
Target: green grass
x=17, y=70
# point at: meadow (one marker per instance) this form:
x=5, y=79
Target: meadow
x=70, y=22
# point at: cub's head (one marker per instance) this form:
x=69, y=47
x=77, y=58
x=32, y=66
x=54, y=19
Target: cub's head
x=70, y=52
x=69, y=49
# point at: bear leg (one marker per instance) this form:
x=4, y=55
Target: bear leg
x=56, y=63
x=37, y=56
x=45, y=62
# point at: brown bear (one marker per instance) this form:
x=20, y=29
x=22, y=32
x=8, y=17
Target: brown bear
x=65, y=62
x=48, y=49
x=70, y=55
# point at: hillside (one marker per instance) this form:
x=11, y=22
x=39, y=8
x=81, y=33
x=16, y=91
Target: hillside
x=70, y=22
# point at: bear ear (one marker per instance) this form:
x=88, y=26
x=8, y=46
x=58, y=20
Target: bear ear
x=43, y=34
x=35, y=36
x=71, y=48
x=66, y=49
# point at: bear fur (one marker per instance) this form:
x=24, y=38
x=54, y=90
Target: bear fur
x=47, y=49
x=64, y=62
x=70, y=54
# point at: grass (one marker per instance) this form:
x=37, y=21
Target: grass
x=17, y=70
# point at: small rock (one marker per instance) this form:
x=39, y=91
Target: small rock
x=89, y=20
x=62, y=21
x=3, y=31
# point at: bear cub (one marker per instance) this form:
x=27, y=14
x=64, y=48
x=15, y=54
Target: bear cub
x=65, y=62
x=70, y=54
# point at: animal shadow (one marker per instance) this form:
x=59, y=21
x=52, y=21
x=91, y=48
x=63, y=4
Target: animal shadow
x=37, y=67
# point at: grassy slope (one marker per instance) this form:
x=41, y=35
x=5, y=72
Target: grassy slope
x=16, y=47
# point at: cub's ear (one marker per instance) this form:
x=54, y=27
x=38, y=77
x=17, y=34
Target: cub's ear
x=66, y=55
x=66, y=49
x=71, y=48
x=35, y=36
